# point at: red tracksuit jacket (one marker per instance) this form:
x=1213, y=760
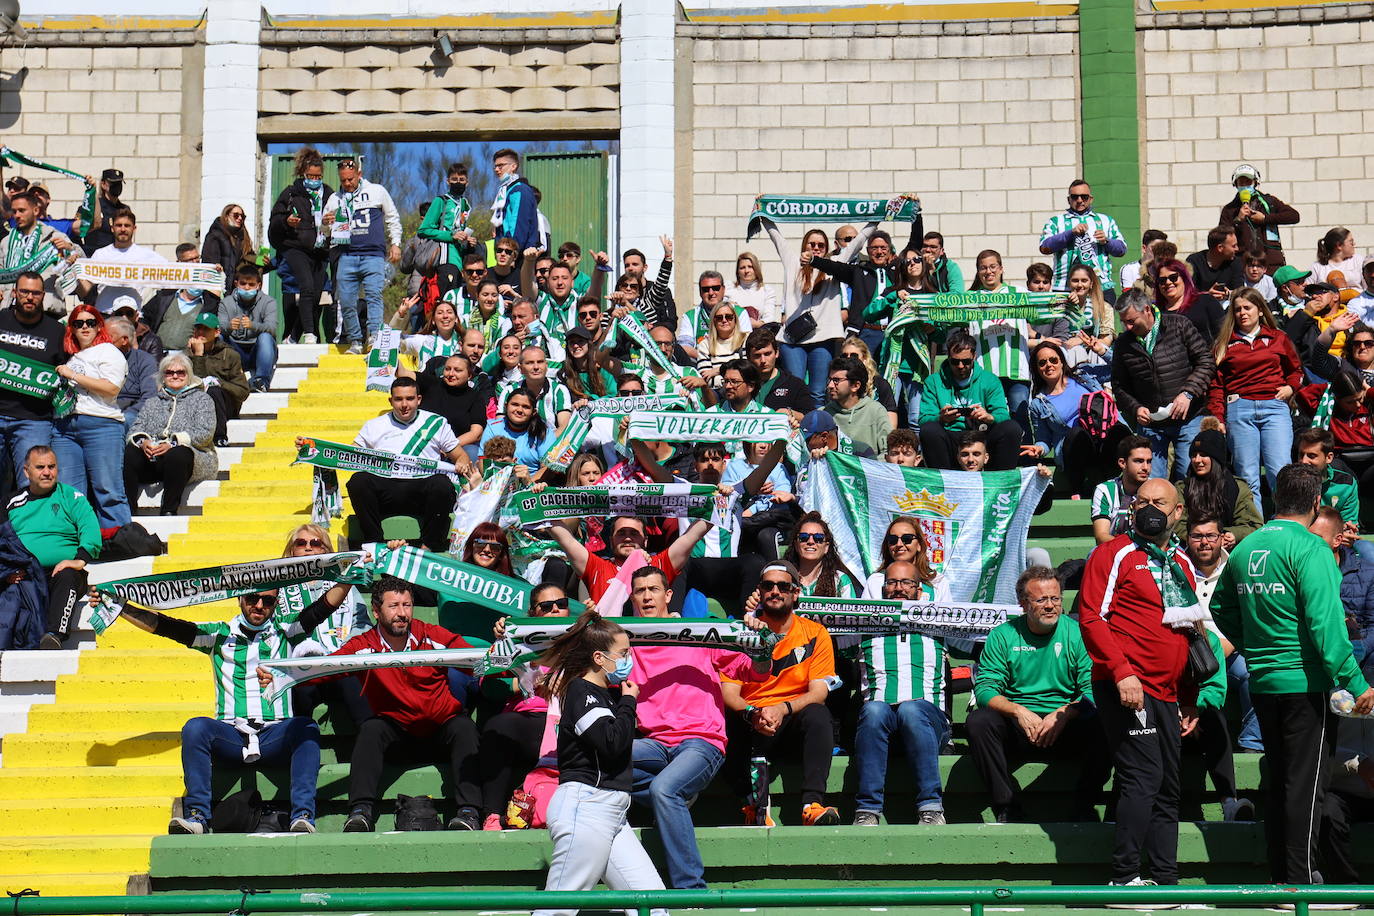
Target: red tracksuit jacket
x=417, y=698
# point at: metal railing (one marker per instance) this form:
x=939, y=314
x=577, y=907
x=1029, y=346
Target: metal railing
x=244, y=903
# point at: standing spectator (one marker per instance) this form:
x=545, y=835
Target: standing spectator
x=364, y=226
x=141, y=377
x=1161, y=370
x=122, y=250
x=868, y=281
x=759, y=299
x=1003, y=344
x=570, y=253
x=220, y=368
x=1336, y=252
x=1279, y=604
x=1174, y=292
x=108, y=204
x=1257, y=217
x=1258, y=372
x=250, y=317
x=515, y=211
x=1136, y=603
x=228, y=243
x=1218, y=270
x=857, y=415
x=34, y=247
x=172, y=440
x=945, y=275
x=296, y=231
x=89, y=442
x=698, y=323
x=912, y=355
x=1082, y=235
x=446, y=222
x=963, y=396
x=722, y=343
x=26, y=331
x=657, y=298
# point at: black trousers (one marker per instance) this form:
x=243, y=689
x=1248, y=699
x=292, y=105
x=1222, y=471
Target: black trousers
x=1339, y=811
x=344, y=697
x=1145, y=749
x=997, y=743
x=226, y=409
x=729, y=580
x=448, y=276
x=1213, y=740
x=309, y=271
x=65, y=591
x=1089, y=461
x=455, y=743
x=941, y=446
x=510, y=749
x=808, y=734
x=429, y=500
x=1299, y=734
x=172, y=468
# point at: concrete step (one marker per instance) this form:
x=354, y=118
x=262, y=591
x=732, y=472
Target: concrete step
x=18, y=666
x=91, y=782
x=95, y=749
x=112, y=715
x=78, y=817
x=306, y=355
x=80, y=884
x=21, y=856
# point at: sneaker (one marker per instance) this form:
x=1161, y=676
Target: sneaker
x=493, y=822
x=1138, y=881
x=359, y=821
x=309, y=339
x=302, y=825
x=755, y=817
x=258, y=385
x=1009, y=814
x=1237, y=809
x=817, y=815
x=372, y=342
x=221, y=442
x=933, y=816
x=50, y=641
x=865, y=819
x=355, y=348
x=466, y=819
x=192, y=823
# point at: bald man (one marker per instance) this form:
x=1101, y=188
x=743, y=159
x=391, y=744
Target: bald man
x=1137, y=605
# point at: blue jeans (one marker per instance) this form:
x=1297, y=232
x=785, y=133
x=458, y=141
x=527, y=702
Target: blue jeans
x=924, y=730
x=259, y=357
x=669, y=779
x=810, y=363
x=1238, y=681
x=1259, y=430
x=90, y=458
x=911, y=395
x=1018, y=396
x=18, y=436
x=873, y=339
x=1179, y=433
x=369, y=272
x=295, y=740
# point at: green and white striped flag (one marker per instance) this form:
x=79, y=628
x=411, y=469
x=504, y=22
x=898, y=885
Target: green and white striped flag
x=974, y=523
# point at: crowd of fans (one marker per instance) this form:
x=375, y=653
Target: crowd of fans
x=1201, y=402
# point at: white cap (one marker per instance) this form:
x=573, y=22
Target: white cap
x=1245, y=170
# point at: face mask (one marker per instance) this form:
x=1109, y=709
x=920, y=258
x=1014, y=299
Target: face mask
x=313, y=184
x=1150, y=521
x=247, y=627
x=457, y=188
x=622, y=670
x=246, y=295
x=116, y=188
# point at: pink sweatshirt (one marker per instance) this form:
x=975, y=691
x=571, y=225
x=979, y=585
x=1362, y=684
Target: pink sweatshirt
x=680, y=696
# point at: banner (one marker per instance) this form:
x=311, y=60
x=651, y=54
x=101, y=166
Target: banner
x=167, y=591
x=527, y=638
x=336, y=456
x=157, y=274
x=975, y=523
x=787, y=208
x=855, y=616
x=633, y=329
x=88, y=199
x=671, y=500
x=478, y=505
x=764, y=426
x=383, y=359
x=963, y=307
x=569, y=442
x=453, y=579
x=289, y=672
x=21, y=375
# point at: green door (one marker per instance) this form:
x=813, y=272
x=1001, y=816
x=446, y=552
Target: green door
x=283, y=173
x=572, y=188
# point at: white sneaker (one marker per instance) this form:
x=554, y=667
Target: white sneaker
x=1138, y=881
x=309, y=339
x=355, y=349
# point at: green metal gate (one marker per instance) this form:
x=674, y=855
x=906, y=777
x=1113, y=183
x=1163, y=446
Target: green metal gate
x=573, y=191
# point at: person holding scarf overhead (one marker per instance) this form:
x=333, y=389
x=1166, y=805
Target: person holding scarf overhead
x=514, y=212
x=295, y=232
x=32, y=246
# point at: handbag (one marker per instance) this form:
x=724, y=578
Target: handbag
x=801, y=328
x=1202, y=661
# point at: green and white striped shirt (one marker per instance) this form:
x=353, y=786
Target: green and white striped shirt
x=1004, y=345
x=235, y=656
x=352, y=617
x=1082, y=249
x=667, y=385
x=845, y=587
x=555, y=399
x=1111, y=501
x=556, y=318
x=894, y=669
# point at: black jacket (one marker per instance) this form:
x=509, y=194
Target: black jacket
x=218, y=248
x=863, y=276
x=1181, y=361
x=294, y=198
x=23, y=605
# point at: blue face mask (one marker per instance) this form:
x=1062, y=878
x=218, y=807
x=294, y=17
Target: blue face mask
x=313, y=184
x=246, y=295
x=621, y=674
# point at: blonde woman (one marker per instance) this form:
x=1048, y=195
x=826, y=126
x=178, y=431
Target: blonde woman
x=751, y=292
x=722, y=343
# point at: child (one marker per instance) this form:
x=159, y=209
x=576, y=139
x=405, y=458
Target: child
x=1257, y=279
x=591, y=839
x=1039, y=278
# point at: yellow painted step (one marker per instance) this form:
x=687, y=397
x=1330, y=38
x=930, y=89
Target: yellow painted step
x=172, y=660
x=64, y=855
x=166, y=688
x=78, y=817
x=82, y=884
x=90, y=782
x=96, y=749
x=109, y=716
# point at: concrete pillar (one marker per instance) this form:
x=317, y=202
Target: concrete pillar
x=647, y=123
x=229, y=134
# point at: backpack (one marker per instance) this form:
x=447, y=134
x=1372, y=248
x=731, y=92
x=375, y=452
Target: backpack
x=129, y=541
x=1097, y=414
x=417, y=813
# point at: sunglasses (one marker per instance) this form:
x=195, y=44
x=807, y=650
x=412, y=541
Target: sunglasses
x=84, y=323
x=484, y=544
x=725, y=318
x=1361, y=344
x=264, y=600
x=1169, y=278
x=815, y=537
x=174, y=373
x=1080, y=197
x=845, y=240
x=954, y=361
x=591, y=314
x=711, y=289
x=542, y=270
x=239, y=215
x=772, y=585
x=506, y=251
x=630, y=392
x=892, y=539
x=1051, y=361
x=307, y=542
x=475, y=271
x=544, y=607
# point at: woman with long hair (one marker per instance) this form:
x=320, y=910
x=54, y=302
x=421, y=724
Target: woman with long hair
x=1258, y=373
x=812, y=549
x=722, y=343
x=488, y=548
x=172, y=440
x=522, y=424
x=1053, y=413
x=751, y=292
x=1091, y=347
x=485, y=311
x=228, y=243
x=904, y=541
x=294, y=231
x=1175, y=292
x=854, y=346
x=585, y=470
x=89, y=441
x=592, y=839
x=1003, y=343
x=441, y=335
x=1336, y=252
x=581, y=370
x=1211, y=491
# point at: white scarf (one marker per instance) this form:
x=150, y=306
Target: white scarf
x=498, y=206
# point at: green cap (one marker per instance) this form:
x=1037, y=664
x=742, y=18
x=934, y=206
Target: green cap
x=1288, y=273
x=207, y=320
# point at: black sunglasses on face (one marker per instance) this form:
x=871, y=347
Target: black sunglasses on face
x=892, y=539
x=817, y=537
x=84, y=323
x=544, y=607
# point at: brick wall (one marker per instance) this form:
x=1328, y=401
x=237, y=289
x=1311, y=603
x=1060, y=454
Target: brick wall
x=1295, y=100
x=983, y=127
x=90, y=108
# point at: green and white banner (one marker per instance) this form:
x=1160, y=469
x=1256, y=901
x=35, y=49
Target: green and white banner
x=21, y=375
x=451, y=578
x=671, y=500
x=527, y=638
x=336, y=456
x=289, y=672
x=633, y=329
x=569, y=442
x=963, y=307
x=166, y=591
x=480, y=504
x=152, y=274
x=88, y=199
x=855, y=616
x=705, y=426
x=974, y=523
x=383, y=359
x=789, y=208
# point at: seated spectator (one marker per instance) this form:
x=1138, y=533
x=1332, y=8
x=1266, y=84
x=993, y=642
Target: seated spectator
x=1111, y=505
x=141, y=376
x=722, y=343
x=450, y=394
x=777, y=389
x=441, y=335
x=220, y=370
x=1291, y=284
x=857, y=415
x=1161, y=389
x=1336, y=252
x=1351, y=434
x=787, y=712
x=172, y=312
x=57, y=526
x=1308, y=326
x=89, y=441
x=1211, y=490
x=171, y=440
x=1086, y=456
x=625, y=534
x=902, y=685
x=823, y=435
x=249, y=316
x=903, y=542
x=769, y=512
x=1175, y=292
x=1317, y=448
x=819, y=568
x=1257, y=278
x=973, y=450
x=1034, y=693
x=1357, y=581
x=551, y=398
x=759, y=299
x=523, y=425
x=903, y=448
x=964, y=396
x=1363, y=304
x=879, y=389
x=145, y=338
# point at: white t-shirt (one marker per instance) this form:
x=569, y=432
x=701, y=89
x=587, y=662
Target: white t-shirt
x=1349, y=268
x=104, y=361
x=387, y=434
x=1129, y=274
x=133, y=254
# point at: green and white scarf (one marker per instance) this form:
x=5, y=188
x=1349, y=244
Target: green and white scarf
x=663, y=500
x=955, y=620
x=291, y=672
x=961, y=308
x=336, y=456
x=383, y=360
x=21, y=375
x=632, y=329
x=452, y=579
x=88, y=200
x=570, y=441
x=754, y=426
x=788, y=208
x=27, y=253
x=1181, y=608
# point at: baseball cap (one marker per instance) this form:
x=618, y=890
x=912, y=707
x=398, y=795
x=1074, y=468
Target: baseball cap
x=207, y=320
x=125, y=302
x=1245, y=170
x=578, y=332
x=112, y=175
x=817, y=421
x=1288, y=273
x=1313, y=288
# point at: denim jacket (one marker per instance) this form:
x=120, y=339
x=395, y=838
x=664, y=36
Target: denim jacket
x=1046, y=426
